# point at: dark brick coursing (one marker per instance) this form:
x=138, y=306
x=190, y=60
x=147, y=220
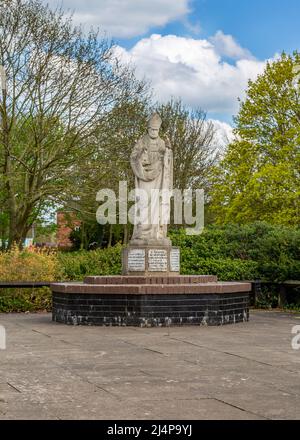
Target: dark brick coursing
x=150, y=310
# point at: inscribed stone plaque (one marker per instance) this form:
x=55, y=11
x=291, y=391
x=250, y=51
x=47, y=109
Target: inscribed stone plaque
x=157, y=260
x=175, y=260
x=136, y=260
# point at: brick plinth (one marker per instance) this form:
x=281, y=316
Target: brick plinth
x=150, y=310
x=141, y=279
x=142, y=301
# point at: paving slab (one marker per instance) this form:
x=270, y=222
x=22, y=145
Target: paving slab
x=245, y=371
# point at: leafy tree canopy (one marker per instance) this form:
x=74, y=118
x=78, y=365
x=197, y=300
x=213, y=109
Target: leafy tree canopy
x=258, y=179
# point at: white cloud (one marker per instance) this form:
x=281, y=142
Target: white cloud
x=224, y=134
x=125, y=18
x=225, y=45
x=193, y=70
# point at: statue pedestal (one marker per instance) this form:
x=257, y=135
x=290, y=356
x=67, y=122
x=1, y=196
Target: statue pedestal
x=151, y=301
x=151, y=260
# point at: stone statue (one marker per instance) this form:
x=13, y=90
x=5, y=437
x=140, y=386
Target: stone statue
x=152, y=164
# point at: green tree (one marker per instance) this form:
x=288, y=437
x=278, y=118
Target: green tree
x=259, y=177
x=60, y=84
x=109, y=164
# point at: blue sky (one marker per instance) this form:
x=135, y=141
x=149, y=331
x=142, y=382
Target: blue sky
x=202, y=51
x=262, y=26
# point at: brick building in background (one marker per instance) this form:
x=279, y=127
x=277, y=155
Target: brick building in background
x=66, y=221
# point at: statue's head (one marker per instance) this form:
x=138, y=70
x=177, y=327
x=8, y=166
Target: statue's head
x=154, y=124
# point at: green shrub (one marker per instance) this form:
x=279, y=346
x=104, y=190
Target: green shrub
x=27, y=265
x=268, y=297
x=226, y=269
x=25, y=300
x=232, y=252
x=79, y=264
x=274, y=250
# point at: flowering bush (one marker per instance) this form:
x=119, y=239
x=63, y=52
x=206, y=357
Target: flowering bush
x=27, y=265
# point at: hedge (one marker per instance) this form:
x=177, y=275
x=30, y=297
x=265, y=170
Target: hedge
x=232, y=252
x=28, y=265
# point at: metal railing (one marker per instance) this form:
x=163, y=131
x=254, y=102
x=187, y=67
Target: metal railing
x=24, y=284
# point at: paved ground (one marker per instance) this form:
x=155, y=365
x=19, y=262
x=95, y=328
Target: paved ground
x=242, y=371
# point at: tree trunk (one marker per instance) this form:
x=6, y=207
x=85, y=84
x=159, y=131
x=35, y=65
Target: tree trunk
x=17, y=234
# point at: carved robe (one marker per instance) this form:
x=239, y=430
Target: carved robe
x=152, y=164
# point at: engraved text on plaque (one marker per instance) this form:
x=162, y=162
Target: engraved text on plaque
x=136, y=260
x=157, y=260
x=175, y=260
